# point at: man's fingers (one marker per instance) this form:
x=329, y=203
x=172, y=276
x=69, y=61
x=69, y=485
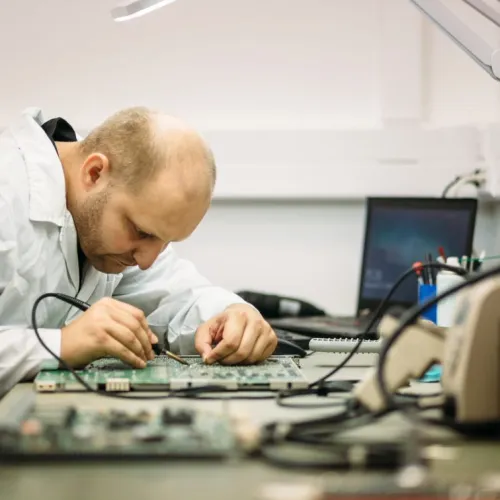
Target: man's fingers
x=251, y=337
x=152, y=337
x=136, y=328
x=261, y=347
x=125, y=337
x=264, y=348
x=218, y=330
x=232, y=334
x=270, y=350
x=204, y=338
x=131, y=317
x=117, y=349
x=136, y=313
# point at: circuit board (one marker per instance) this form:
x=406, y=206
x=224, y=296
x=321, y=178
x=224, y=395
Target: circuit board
x=63, y=433
x=164, y=373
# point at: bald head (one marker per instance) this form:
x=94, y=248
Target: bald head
x=138, y=182
x=141, y=144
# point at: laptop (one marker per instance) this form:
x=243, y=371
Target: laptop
x=398, y=232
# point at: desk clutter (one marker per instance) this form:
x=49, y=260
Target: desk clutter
x=395, y=341
x=408, y=345
x=70, y=433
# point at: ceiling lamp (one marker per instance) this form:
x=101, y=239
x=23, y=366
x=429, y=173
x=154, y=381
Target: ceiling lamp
x=137, y=8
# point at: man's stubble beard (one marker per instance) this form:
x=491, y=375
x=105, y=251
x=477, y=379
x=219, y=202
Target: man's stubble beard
x=88, y=223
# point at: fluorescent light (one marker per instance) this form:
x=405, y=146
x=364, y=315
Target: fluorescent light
x=468, y=35
x=137, y=8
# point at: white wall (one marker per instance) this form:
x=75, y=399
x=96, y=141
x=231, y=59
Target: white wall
x=279, y=66
x=218, y=63
x=306, y=249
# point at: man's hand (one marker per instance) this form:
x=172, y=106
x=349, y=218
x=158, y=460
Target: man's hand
x=241, y=334
x=108, y=327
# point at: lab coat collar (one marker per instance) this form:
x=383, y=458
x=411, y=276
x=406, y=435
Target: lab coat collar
x=47, y=187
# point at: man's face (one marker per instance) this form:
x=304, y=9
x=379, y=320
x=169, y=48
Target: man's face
x=117, y=228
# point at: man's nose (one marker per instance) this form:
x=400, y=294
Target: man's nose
x=148, y=252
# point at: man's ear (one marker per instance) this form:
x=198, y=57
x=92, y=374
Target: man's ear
x=95, y=171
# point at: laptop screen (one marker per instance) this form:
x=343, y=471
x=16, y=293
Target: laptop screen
x=401, y=231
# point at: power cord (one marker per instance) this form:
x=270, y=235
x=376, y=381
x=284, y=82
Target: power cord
x=476, y=178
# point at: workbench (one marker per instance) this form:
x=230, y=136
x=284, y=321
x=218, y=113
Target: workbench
x=234, y=480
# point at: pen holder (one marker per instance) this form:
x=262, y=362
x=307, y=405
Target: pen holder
x=426, y=292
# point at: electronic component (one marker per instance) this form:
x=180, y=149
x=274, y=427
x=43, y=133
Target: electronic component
x=13, y=408
x=409, y=358
x=469, y=352
x=471, y=366
x=163, y=373
x=366, y=355
x=67, y=433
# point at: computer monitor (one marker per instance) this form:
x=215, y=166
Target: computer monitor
x=401, y=231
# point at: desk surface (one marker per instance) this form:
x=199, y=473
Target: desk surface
x=201, y=479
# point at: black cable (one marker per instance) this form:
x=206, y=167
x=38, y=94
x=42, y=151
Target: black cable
x=345, y=416
x=448, y=186
x=380, y=309
x=323, y=427
x=271, y=431
x=83, y=306
x=315, y=443
x=458, y=178
x=317, y=432
x=190, y=392
x=321, y=431
x=410, y=317
x=203, y=395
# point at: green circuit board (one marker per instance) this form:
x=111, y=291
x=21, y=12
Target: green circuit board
x=64, y=433
x=164, y=373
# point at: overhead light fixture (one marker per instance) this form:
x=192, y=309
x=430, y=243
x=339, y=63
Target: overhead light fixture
x=471, y=39
x=137, y=8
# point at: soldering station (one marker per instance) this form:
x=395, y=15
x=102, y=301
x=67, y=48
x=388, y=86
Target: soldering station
x=420, y=354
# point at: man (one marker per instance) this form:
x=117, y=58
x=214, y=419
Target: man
x=94, y=219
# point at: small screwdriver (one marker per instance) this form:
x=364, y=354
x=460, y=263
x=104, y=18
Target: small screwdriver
x=158, y=350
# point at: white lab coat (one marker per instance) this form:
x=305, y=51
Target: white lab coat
x=38, y=254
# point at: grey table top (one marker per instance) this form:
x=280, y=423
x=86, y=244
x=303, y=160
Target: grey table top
x=239, y=480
